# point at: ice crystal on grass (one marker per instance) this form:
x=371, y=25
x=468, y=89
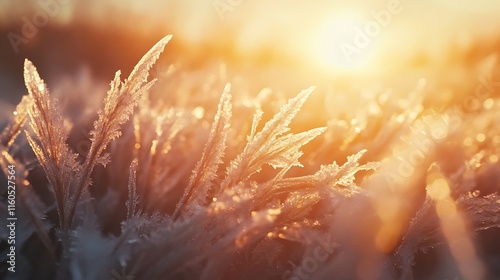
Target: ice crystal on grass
x=58, y=160
x=269, y=146
x=10, y=133
x=133, y=198
x=210, y=188
x=483, y=211
x=161, y=138
x=206, y=169
x=242, y=211
x=53, y=153
x=119, y=103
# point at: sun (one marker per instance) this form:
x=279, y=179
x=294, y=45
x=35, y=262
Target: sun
x=332, y=42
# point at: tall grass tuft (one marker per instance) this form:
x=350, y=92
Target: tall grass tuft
x=184, y=188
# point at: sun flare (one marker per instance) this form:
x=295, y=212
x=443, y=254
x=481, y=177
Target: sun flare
x=333, y=38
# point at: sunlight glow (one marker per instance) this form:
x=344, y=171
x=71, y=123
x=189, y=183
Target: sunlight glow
x=454, y=228
x=334, y=42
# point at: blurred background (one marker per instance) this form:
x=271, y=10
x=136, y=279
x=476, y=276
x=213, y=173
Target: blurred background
x=288, y=45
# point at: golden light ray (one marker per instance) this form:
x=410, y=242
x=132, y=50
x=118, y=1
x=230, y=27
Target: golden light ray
x=454, y=228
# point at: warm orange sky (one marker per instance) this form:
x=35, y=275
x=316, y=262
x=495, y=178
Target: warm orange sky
x=294, y=21
x=328, y=34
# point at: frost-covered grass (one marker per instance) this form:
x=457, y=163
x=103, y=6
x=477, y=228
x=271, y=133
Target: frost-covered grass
x=179, y=188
